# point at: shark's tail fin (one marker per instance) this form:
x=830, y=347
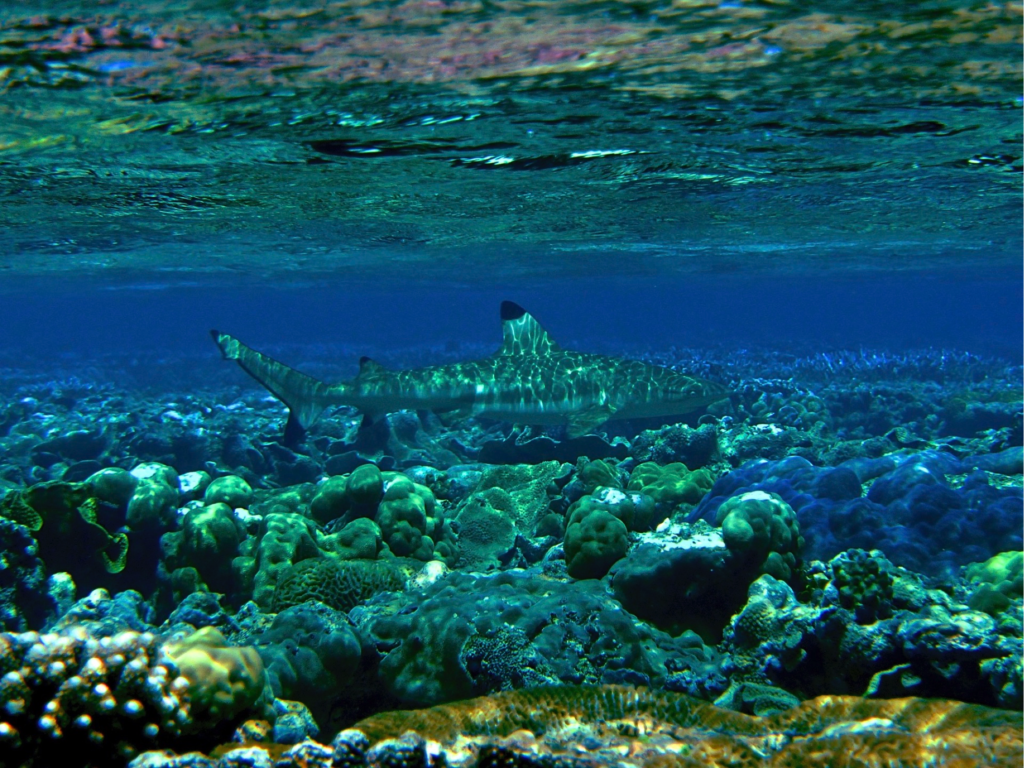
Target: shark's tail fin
x=305, y=396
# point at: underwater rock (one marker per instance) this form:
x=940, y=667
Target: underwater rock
x=24, y=602
x=683, y=578
x=525, y=448
x=315, y=655
x=678, y=443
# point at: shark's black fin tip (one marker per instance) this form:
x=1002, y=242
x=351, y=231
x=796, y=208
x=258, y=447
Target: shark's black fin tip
x=511, y=311
x=364, y=360
x=215, y=334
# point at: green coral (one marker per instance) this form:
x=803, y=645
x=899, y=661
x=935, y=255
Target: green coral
x=598, y=524
x=672, y=484
x=996, y=583
x=153, y=505
x=594, y=474
x=864, y=583
x=339, y=584
x=410, y=519
x=330, y=501
x=230, y=490
x=594, y=542
x=764, y=529
x=364, y=487
x=71, y=528
x=354, y=495
x=112, y=485
x=635, y=510
x=283, y=539
x=223, y=682
x=358, y=540
x=529, y=488
x=207, y=543
x=486, y=534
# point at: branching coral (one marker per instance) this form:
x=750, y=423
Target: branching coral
x=73, y=692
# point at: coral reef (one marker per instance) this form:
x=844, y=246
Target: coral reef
x=622, y=726
x=460, y=636
x=103, y=698
x=341, y=585
x=811, y=538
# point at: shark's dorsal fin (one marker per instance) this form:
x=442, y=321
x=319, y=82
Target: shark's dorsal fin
x=523, y=334
x=369, y=367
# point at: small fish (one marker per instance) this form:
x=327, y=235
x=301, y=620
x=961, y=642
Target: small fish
x=530, y=380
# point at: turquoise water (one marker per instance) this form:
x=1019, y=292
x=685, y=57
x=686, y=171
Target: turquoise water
x=815, y=210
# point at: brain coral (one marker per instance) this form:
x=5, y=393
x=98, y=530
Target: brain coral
x=339, y=584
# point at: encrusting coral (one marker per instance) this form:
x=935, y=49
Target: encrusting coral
x=629, y=727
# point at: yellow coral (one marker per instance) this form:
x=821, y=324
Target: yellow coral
x=223, y=681
x=672, y=730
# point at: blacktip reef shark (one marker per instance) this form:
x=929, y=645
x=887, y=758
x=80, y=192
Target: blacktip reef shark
x=530, y=380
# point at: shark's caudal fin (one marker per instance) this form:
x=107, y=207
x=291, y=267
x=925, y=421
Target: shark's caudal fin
x=305, y=396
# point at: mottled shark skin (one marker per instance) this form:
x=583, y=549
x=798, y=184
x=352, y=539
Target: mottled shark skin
x=530, y=380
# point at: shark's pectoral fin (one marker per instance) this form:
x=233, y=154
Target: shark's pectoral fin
x=294, y=432
x=589, y=419
x=369, y=418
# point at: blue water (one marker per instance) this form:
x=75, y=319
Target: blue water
x=966, y=311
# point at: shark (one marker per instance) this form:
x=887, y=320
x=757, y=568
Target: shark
x=530, y=380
